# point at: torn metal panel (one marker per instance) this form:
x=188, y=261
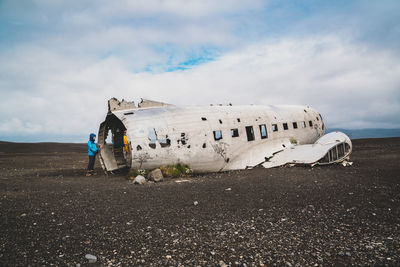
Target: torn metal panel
x=145, y=103
x=250, y=158
x=114, y=104
x=211, y=138
x=331, y=148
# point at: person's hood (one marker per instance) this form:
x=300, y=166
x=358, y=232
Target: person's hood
x=91, y=136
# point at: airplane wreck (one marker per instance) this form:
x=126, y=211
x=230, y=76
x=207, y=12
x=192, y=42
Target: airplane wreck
x=216, y=138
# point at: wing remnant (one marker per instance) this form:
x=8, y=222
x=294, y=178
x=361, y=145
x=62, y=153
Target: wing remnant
x=331, y=148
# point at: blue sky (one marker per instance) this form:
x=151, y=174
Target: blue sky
x=60, y=61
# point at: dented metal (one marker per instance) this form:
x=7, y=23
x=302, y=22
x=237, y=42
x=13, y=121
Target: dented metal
x=217, y=138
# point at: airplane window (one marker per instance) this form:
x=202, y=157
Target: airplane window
x=317, y=118
x=217, y=135
x=250, y=133
x=235, y=132
x=184, y=138
x=294, y=125
x=220, y=121
x=152, y=138
x=109, y=138
x=203, y=118
x=285, y=126
x=274, y=127
x=238, y=119
x=263, y=131
x=303, y=124
x=310, y=123
x=164, y=141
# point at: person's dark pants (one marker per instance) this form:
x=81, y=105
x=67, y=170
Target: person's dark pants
x=91, y=163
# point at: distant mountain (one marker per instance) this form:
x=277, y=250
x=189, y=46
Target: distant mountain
x=367, y=133
x=39, y=138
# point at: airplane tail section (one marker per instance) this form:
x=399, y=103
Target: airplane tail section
x=331, y=148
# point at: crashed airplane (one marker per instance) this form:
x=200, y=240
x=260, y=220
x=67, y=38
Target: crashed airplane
x=216, y=137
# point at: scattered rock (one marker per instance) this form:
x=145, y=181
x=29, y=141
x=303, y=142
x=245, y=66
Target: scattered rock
x=140, y=180
x=196, y=203
x=91, y=258
x=222, y=264
x=182, y=181
x=346, y=163
x=155, y=175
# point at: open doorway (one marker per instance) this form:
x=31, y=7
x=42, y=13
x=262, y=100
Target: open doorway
x=115, y=153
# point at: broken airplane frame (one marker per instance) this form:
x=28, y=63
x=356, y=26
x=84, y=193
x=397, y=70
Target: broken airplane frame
x=217, y=138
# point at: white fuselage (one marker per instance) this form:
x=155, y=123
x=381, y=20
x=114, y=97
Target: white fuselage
x=215, y=138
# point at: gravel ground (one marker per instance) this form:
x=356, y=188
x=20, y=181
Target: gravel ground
x=51, y=214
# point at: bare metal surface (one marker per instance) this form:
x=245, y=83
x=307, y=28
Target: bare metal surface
x=145, y=103
x=311, y=154
x=164, y=134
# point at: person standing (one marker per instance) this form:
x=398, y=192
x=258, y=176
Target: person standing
x=92, y=151
x=125, y=148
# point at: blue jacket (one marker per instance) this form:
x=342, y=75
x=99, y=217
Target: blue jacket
x=92, y=148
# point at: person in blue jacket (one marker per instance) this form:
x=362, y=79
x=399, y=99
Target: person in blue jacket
x=92, y=151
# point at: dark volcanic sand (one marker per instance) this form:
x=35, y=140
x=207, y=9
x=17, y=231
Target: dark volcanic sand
x=51, y=214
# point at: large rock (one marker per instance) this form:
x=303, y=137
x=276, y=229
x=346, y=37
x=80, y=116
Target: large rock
x=139, y=180
x=156, y=175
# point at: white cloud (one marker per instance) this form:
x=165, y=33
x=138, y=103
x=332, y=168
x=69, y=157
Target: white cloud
x=60, y=61
x=181, y=8
x=351, y=85
x=16, y=126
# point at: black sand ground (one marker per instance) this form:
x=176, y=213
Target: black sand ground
x=51, y=214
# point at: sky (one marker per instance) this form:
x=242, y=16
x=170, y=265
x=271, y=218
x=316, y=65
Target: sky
x=60, y=61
